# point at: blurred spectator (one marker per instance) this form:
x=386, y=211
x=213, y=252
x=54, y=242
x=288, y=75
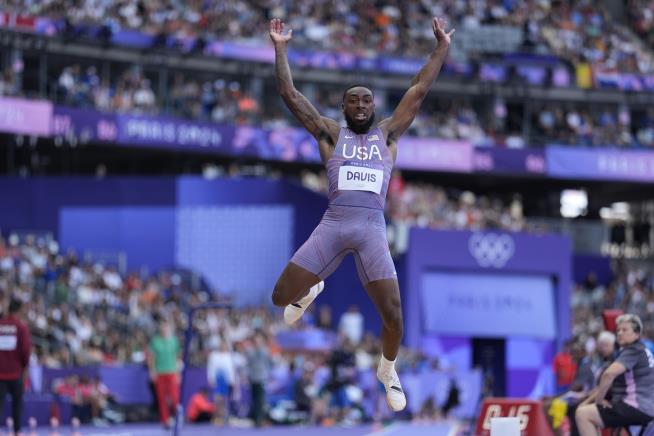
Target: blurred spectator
x=351, y=324
x=70, y=389
x=592, y=365
x=8, y=83
x=325, y=317
x=589, y=370
x=221, y=375
x=565, y=367
x=425, y=205
x=305, y=394
x=452, y=400
x=641, y=18
x=200, y=407
x=163, y=362
x=15, y=349
x=342, y=384
x=625, y=394
x=258, y=361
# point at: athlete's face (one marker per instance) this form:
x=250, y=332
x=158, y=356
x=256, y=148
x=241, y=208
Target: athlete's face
x=359, y=109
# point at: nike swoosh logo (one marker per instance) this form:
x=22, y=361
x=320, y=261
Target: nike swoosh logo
x=348, y=137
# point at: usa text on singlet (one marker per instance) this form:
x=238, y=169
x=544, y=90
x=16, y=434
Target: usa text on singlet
x=359, y=170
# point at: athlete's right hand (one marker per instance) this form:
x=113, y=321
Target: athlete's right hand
x=276, y=32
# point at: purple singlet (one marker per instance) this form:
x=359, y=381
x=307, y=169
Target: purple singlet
x=358, y=173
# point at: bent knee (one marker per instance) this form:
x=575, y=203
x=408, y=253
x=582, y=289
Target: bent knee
x=393, y=321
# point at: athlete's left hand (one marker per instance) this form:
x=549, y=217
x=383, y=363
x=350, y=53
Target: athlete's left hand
x=438, y=25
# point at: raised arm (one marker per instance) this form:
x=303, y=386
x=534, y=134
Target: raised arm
x=408, y=107
x=322, y=128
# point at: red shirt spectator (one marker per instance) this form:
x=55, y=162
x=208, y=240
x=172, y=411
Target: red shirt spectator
x=565, y=367
x=200, y=407
x=15, y=344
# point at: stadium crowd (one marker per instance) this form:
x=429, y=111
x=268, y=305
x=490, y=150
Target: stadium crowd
x=425, y=205
x=578, y=30
x=85, y=313
x=632, y=291
x=230, y=101
x=132, y=92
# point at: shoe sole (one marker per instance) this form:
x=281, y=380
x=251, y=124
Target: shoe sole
x=295, y=320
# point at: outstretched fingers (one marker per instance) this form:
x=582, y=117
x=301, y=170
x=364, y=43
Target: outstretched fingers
x=277, y=27
x=438, y=25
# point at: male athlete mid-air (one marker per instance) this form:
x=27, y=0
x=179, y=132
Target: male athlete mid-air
x=359, y=159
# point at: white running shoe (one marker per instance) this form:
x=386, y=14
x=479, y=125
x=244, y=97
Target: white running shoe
x=394, y=393
x=294, y=311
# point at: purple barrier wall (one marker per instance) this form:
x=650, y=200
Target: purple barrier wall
x=173, y=133
x=39, y=406
x=25, y=116
x=146, y=235
x=130, y=384
x=509, y=161
x=435, y=155
x=503, y=254
x=87, y=125
x=600, y=164
x=37, y=201
x=296, y=145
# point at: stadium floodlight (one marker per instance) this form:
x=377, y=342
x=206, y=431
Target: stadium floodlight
x=573, y=203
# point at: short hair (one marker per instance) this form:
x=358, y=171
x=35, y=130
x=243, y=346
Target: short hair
x=606, y=336
x=357, y=85
x=636, y=323
x=15, y=305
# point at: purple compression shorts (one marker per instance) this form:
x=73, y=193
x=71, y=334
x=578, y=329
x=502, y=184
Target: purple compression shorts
x=348, y=229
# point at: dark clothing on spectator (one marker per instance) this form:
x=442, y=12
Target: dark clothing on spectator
x=15, y=389
x=15, y=345
x=635, y=387
x=258, y=403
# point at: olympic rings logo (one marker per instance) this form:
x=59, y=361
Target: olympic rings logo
x=491, y=249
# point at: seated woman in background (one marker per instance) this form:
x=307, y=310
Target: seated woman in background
x=629, y=380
